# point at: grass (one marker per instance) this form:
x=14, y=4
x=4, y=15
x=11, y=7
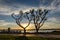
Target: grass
x=7, y=37
x=10, y=37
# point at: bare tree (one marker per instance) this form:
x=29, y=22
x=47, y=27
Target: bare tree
x=20, y=18
x=38, y=17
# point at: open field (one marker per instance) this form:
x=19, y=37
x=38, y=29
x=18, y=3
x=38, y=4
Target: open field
x=12, y=37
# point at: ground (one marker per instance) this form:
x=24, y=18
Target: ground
x=14, y=37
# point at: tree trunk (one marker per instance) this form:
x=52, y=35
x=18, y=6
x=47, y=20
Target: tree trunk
x=24, y=31
x=37, y=31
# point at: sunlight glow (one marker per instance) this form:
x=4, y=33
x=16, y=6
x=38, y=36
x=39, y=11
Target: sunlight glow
x=24, y=24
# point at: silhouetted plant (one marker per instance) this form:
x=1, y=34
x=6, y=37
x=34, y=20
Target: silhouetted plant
x=38, y=17
x=20, y=17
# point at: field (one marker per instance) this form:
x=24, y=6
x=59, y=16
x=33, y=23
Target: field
x=11, y=37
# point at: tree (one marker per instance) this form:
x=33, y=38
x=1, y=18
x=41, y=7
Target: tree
x=20, y=17
x=38, y=17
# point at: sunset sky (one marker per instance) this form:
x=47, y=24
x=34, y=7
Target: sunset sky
x=7, y=7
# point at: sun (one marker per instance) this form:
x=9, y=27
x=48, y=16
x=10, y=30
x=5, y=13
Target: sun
x=24, y=24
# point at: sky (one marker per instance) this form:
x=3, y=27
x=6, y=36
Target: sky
x=7, y=7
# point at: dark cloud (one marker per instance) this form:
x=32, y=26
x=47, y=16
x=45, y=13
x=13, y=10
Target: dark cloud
x=23, y=2
x=45, y=2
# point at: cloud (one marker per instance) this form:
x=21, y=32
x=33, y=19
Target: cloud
x=53, y=20
x=54, y=7
x=51, y=25
x=8, y=10
x=13, y=25
x=4, y=23
x=18, y=3
x=7, y=7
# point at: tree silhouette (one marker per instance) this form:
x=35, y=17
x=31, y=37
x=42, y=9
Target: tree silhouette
x=38, y=17
x=20, y=17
